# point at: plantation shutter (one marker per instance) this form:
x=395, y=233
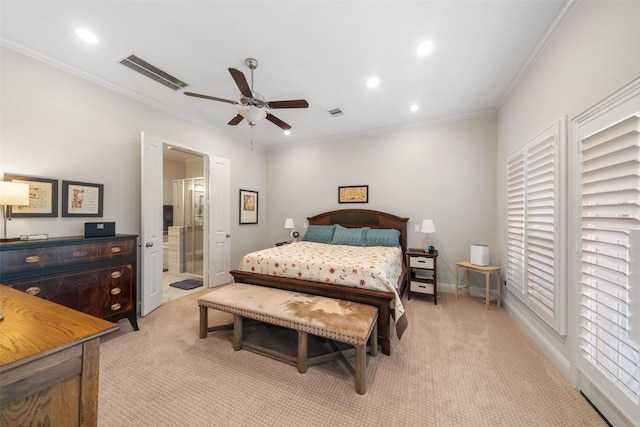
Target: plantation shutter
x=534, y=246
x=610, y=238
x=541, y=228
x=515, y=223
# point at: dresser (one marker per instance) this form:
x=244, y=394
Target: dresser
x=94, y=275
x=49, y=362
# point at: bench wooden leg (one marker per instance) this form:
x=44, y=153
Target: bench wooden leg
x=204, y=322
x=237, y=332
x=373, y=341
x=361, y=369
x=302, y=352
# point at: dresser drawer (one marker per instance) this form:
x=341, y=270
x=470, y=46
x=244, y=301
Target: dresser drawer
x=101, y=292
x=23, y=260
x=420, y=262
x=27, y=259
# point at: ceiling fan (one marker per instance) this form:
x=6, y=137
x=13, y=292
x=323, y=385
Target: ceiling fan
x=252, y=106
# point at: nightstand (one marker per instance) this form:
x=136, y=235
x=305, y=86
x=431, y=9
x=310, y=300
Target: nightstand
x=423, y=273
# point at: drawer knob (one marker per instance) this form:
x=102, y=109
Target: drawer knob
x=116, y=275
x=33, y=290
x=116, y=249
x=32, y=259
x=115, y=291
x=115, y=307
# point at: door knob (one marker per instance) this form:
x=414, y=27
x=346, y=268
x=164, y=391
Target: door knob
x=228, y=235
x=149, y=244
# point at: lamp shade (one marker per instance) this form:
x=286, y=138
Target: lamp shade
x=14, y=193
x=288, y=223
x=428, y=226
x=252, y=114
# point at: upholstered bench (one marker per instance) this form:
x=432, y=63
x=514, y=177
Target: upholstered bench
x=342, y=321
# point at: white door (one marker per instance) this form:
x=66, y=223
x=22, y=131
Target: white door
x=151, y=224
x=220, y=242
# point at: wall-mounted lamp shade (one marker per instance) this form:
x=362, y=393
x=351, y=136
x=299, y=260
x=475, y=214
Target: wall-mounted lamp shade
x=288, y=223
x=427, y=226
x=14, y=193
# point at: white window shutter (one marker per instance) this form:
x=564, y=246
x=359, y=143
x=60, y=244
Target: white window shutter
x=610, y=180
x=534, y=243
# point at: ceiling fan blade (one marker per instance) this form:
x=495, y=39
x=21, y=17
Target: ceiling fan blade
x=213, y=98
x=237, y=119
x=294, y=103
x=241, y=81
x=276, y=121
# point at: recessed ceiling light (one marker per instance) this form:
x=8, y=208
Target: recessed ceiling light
x=287, y=132
x=414, y=108
x=86, y=35
x=424, y=48
x=373, y=82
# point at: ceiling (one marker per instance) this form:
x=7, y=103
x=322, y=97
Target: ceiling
x=321, y=51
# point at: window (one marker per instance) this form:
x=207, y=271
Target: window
x=610, y=238
x=606, y=264
x=534, y=227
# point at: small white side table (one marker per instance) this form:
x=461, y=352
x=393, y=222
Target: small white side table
x=487, y=270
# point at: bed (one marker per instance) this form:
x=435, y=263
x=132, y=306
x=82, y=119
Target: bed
x=387, y=301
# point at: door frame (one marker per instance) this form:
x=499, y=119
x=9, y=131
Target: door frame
x=208, y=217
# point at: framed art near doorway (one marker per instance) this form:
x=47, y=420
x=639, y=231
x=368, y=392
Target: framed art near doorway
x=248, y=207
x=82, y=199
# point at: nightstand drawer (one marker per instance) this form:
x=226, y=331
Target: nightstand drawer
x=420, y=287
x=420, y=262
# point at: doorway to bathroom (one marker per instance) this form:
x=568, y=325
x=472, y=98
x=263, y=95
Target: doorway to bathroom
x=183, y=213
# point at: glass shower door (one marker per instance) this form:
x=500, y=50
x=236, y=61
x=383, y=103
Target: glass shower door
x=188, y=195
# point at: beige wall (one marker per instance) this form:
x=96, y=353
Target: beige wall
x=593, y=54
x=60, y=126
x=444, y=171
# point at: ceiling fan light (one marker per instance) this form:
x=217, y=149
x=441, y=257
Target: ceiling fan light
x=252, y=114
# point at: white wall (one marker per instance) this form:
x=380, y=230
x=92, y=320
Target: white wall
x=592, y=55
x=171, y=169
x=59, y=126
x=444, y=171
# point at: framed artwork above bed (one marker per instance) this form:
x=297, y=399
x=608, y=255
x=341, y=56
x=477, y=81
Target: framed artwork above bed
x=353, y=194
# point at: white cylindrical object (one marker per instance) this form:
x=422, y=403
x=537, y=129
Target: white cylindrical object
x=480, y=255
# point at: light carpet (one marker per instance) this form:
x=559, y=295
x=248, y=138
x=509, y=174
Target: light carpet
x=457, y=365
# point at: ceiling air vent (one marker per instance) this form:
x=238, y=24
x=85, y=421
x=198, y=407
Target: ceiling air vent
x=336, y=112
x=152, y=72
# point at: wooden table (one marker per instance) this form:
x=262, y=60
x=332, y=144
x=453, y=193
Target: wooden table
x=49, y=362
x=487, y=270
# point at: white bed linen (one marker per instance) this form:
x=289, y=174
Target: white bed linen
x=374, y=267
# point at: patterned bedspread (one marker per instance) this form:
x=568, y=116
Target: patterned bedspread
x=376, y=267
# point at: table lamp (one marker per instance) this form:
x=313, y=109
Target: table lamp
x=428, y=227
x=12, y=194
x=288, y=223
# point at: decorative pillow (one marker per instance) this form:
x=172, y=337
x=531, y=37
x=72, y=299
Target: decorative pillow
x=349, y=236
x=383, y=237
x=319, y=233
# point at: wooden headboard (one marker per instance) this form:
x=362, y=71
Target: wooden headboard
x=354, y=218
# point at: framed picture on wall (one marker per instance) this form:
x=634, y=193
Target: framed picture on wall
x=353, y=194
x=248, y=207
x=43, y=197
x=82, y=199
